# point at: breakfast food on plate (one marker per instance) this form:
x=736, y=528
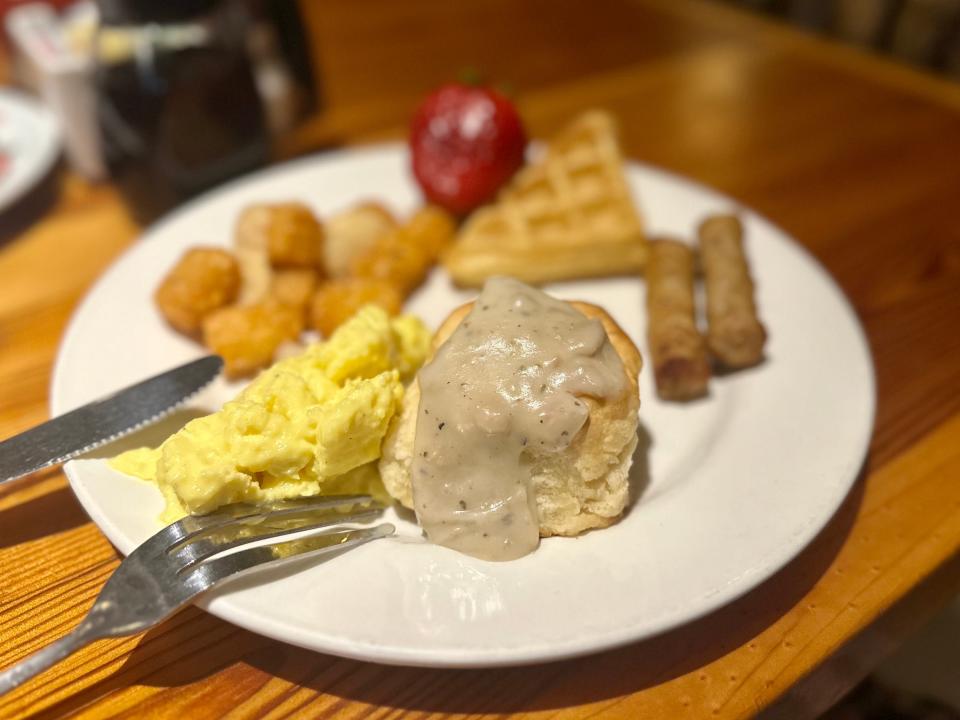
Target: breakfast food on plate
x=352, y=232
x=568, y=214
x=403, y=256
x=285, y=235
x=294, y=287
x=522, y=425
x=250, y=237
x=256, y=275
x=203, y=280
x=735, y=335
x=252, y=227
x=466, y=141
x=311, y=424
x=337, y=300
x=247, y=336
x=294, y=237
x=680, y=365
x=431, y=228
x=252, y=301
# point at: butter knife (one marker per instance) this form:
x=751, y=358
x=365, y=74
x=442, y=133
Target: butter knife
x=101, y=421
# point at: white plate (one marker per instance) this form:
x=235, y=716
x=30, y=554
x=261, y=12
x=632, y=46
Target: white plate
x=30, y=140
x=738, y=483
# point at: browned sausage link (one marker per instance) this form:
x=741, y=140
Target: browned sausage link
x=680, y=364
x=735, y=336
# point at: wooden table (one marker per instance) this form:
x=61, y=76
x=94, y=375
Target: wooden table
x=857, y=158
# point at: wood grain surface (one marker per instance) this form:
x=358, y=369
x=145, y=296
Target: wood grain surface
x=855, y=157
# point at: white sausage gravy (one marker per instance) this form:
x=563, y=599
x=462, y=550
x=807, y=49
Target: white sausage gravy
x=507, y=383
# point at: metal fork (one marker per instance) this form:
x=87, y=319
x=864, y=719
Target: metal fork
x=184, y=559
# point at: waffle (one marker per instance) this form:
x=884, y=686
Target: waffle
x=568, y=214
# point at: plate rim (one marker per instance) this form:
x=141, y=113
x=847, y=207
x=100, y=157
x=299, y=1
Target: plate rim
x=856, y=455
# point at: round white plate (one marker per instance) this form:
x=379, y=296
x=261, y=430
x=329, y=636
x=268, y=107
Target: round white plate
x=30, y=142
x=733, y=486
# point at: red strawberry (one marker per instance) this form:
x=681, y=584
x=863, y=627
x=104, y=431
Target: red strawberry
x=467, y=142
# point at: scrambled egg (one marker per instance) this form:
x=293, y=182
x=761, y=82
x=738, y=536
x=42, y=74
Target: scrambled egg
x=311, y=424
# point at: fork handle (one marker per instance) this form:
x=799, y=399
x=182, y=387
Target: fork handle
x=82, y=635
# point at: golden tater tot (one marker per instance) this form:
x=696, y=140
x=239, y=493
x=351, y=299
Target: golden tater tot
x=431, y=228
x=250, y=236
x=252, y=227
x=394, y=260
x=351, y=233
x=337, y=300
x=404, y=256
x=256, y=275
x=294, y=287
x=203, y=280
x=294, y=237
x=247, y=337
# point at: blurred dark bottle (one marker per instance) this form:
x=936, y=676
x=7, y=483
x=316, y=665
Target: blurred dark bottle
x=178, y=105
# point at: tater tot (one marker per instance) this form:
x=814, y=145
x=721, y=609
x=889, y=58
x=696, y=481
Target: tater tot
x=203, y=280
x=432, y=228
x=256, y=275
x=294, y=287
x=395, y=261
x=352, y=232
x=735, y=336
x=252, y=228
x=680, y=365
x=247, y=337
x=294, y=237
x=337, y=300
x=404, y=256
x=250, y=237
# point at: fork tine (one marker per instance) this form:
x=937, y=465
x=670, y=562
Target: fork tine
x=186, y=528
x=209, y=572
x=239, y=511
x=187, y=553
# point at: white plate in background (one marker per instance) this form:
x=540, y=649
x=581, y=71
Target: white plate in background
x=29, y=142
x=735, y=484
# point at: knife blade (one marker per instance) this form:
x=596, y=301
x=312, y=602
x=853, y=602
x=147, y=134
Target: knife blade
x=101, y=421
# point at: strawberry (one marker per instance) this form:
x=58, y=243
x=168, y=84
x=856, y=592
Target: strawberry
x=466, y=143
